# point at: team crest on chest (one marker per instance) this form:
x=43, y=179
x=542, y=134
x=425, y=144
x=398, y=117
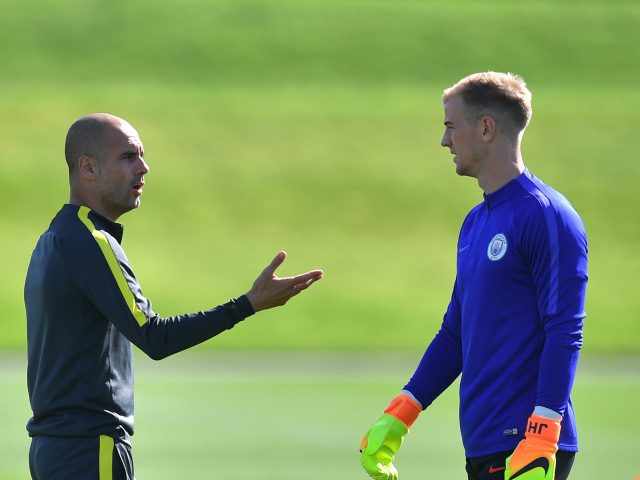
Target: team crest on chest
x=497, y=247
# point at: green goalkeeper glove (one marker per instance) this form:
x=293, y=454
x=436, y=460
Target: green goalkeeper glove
x=383, y=440
x=535, y=457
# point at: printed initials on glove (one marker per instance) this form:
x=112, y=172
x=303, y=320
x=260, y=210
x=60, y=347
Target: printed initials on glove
x=535, y=457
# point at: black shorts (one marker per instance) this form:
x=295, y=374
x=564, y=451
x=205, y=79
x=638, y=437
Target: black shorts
x=491, y=467
x=81, y=458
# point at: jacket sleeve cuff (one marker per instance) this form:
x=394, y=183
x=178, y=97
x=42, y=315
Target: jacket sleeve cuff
x=240, y=308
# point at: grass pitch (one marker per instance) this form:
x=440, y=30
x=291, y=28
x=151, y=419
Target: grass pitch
x=301, y=416
x=314, y=126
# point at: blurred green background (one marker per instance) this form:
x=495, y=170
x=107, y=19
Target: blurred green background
x=314, y=126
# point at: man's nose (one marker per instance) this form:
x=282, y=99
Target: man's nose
x=144, y=167
x=445, y=142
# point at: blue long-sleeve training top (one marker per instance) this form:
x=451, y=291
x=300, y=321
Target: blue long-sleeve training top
x=513, y=327
x=84, y=308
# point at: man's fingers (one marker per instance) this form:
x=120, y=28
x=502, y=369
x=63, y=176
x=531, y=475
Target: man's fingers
x=303, y=278
x=304, y=281
x=275, y=263
x=295, y=289
x=303, y=286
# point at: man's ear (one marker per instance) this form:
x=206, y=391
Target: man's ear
x=488, y=128
x=87, y=167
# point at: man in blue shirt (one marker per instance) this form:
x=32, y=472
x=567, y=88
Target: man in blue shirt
x=513, y=327
x=85, y=308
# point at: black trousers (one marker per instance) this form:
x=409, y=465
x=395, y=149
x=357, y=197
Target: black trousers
x=491, y=467
x=80, y=458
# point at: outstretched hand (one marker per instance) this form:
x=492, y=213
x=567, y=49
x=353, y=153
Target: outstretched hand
x=270, y=291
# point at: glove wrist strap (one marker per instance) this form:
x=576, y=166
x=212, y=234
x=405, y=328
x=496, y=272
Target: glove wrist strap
x=404, y=408
x=543, y=430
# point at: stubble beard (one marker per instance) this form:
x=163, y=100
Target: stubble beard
x=118, y=200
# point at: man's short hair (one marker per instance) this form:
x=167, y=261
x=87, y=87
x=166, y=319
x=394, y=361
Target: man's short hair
x=503, y=96
x=86, y=136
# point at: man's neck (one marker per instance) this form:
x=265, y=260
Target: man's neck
x=80, y=200
x=500, y=171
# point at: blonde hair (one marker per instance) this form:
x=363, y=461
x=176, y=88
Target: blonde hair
x=503, y=96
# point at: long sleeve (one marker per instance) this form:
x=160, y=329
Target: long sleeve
x=109, y=283
x=442, y=361
x=84, y=310
x=556, y=247
x=513, y=329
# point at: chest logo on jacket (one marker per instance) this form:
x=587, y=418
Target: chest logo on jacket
x=497, y=247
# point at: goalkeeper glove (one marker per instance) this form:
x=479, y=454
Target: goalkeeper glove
x=380, y=444
x=535, y=457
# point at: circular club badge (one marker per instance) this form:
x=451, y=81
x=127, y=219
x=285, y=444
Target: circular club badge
x=497, y=247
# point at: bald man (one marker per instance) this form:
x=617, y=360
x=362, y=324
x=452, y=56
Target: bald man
x=85, y=307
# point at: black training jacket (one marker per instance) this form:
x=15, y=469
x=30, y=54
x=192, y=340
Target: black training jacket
x=84, y=309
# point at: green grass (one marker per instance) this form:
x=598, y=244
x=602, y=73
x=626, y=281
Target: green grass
x=345, y=183
x=362, y=41
x=291, y=416
x=314, y=126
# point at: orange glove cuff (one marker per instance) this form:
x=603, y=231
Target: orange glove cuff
x=404, y=408
x=543, y=429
